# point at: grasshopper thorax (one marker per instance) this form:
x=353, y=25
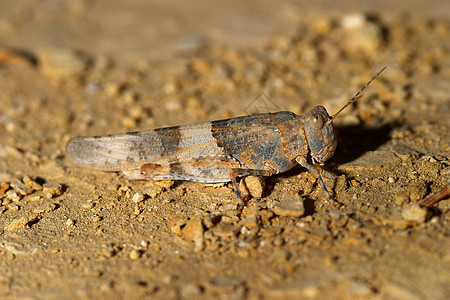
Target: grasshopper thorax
x=319, y=134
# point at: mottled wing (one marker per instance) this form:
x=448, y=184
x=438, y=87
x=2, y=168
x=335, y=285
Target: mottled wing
x=228, y=139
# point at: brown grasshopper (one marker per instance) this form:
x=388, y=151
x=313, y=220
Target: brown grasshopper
x=219, y=151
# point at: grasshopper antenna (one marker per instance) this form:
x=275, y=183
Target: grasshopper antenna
x=358, y=94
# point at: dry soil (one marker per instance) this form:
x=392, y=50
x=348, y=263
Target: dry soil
x=82, y=68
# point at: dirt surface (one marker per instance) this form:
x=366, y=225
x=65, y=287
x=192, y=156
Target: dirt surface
x=81, y=68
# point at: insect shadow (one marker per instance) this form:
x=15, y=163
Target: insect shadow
x=354, y=141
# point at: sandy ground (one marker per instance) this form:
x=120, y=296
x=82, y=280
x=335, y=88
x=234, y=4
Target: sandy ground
x=81, y=68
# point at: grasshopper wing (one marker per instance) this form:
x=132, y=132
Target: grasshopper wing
x=225, y=138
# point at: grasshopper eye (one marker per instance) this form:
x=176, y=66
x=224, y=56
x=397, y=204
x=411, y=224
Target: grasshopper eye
x=317, y=121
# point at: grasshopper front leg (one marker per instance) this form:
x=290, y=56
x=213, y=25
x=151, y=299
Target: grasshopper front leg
x=304, y=163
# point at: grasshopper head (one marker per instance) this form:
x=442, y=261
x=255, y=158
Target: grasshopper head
x=319, y=133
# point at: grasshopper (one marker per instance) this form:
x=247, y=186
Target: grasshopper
x=220, y=151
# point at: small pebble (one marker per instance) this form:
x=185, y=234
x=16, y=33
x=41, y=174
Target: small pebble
x=173, y=105
x=135, y=254
x=16, y=224
x=13, y=207
x=109, y=251
x=87, y=205
x=253, y=186
x=60, y=63
x=124, y=190
x=157, y=187
x=193, y=231
x=21, y=188
x=359, y=34
x=176, y=229
x=244, y=230
x=250, y=221
x=96, y=219
x=414, y=212
x=128, y=122
x=4, y=186
x=434, y=220
x=290, y=207
x=417, y=190
x=52, y=190
x=31, y=183
x=44, y=208
x=401, y=198
x=359, y=289
x=278, y=241
x=35, y=198
x=138, y=197
x=190, y=291
x=13, y=196
x=12, y=151
x=70, y=223
x=111, y=89
x=225, y=231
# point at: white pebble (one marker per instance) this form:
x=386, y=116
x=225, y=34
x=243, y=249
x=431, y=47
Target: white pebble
x=138, y=197
x=415, y=212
